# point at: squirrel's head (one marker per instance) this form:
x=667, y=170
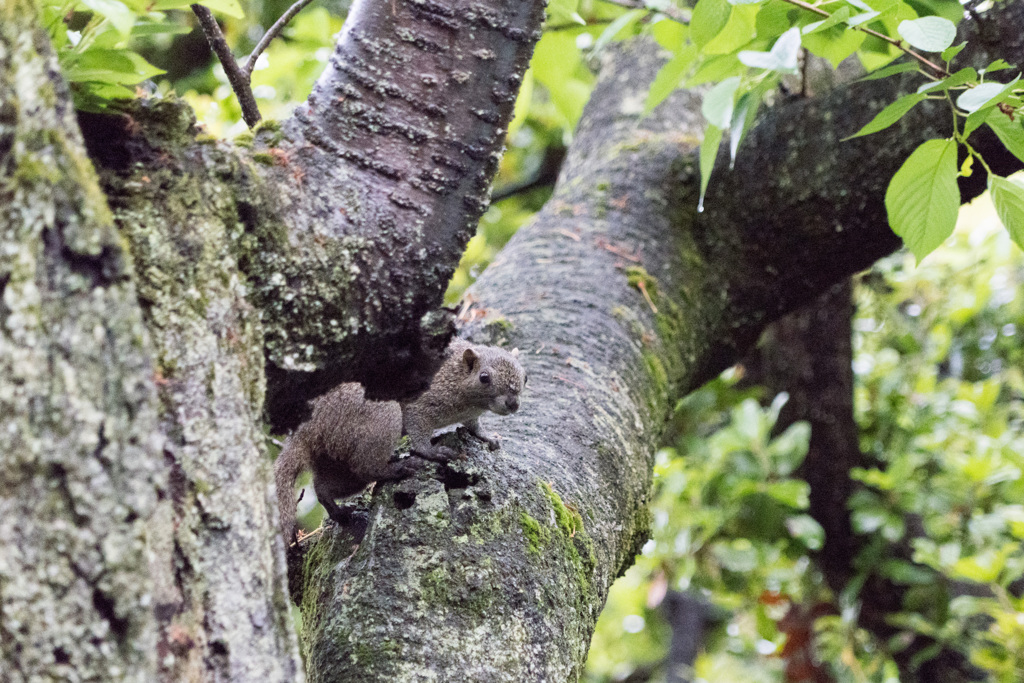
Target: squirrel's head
x=494, y=377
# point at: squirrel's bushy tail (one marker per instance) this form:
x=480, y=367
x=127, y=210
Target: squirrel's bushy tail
x=293, y=459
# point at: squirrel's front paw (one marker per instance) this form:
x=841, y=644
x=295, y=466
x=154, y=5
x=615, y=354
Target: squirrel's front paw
x=493, y=443
x=440, y=454
x=407, y=467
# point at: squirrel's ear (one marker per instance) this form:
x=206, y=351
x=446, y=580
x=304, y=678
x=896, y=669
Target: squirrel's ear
x=469, y=357
x=515, y=353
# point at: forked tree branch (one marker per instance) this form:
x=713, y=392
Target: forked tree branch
x=271, y=33
x=240, y=77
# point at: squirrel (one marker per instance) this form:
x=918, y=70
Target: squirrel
x=348, y=441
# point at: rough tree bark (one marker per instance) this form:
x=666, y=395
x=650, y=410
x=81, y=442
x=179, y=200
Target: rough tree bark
x=136, y=362
x=79, y=455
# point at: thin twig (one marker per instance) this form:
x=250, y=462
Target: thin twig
x=574, y=25
x=302, y=536
x=271, y=33
x=643, y=290
x=238, y=80
x=670, y=12
x=895, y=43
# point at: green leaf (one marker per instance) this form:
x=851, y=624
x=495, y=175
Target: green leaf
x=807, y=530
x=161, y=5
x=149, y=28
x=907, y=573
x=708, y=19
x=716, y=68
x=783, y=55
x=738, y=31
x=773, y=19
x=118, y=67
x=981, y=106
x=974, y=121
x=743, y=120
x=617, y=28
x=119, y=15
x=997, y=65
x=556, y=61
x=931, y=34
x=789, y=449
x=890, y=115
x=97, y=97
x=923, y=199
x=791, y=492
x=669, y=34
x=708, y=154
x=985, y=566
x=228, y=7
x=834, y=44
x=858, y=19
x=949, y=9
x=1010, y=133
x=1008, y=198
x=564, y=12
x=718, y=103
x=984, y=95
x=841, y=14
x=950, y=53
x=900, y=68
x=966, y=75
x=669, y=77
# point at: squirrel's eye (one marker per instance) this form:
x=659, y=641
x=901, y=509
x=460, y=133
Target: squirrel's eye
x=485, y=377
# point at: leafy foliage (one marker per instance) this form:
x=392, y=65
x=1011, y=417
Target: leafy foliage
x=939, y=399
x=748, y=47
x=729, y=521
x=94, y=41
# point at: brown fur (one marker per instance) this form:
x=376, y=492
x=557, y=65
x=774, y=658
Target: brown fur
x=348, y=441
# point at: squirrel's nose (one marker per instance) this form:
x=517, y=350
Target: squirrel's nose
x=512, y=403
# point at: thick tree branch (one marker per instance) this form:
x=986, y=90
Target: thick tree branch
x=602, y=367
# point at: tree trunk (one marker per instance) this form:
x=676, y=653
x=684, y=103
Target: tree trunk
x=79, y=445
